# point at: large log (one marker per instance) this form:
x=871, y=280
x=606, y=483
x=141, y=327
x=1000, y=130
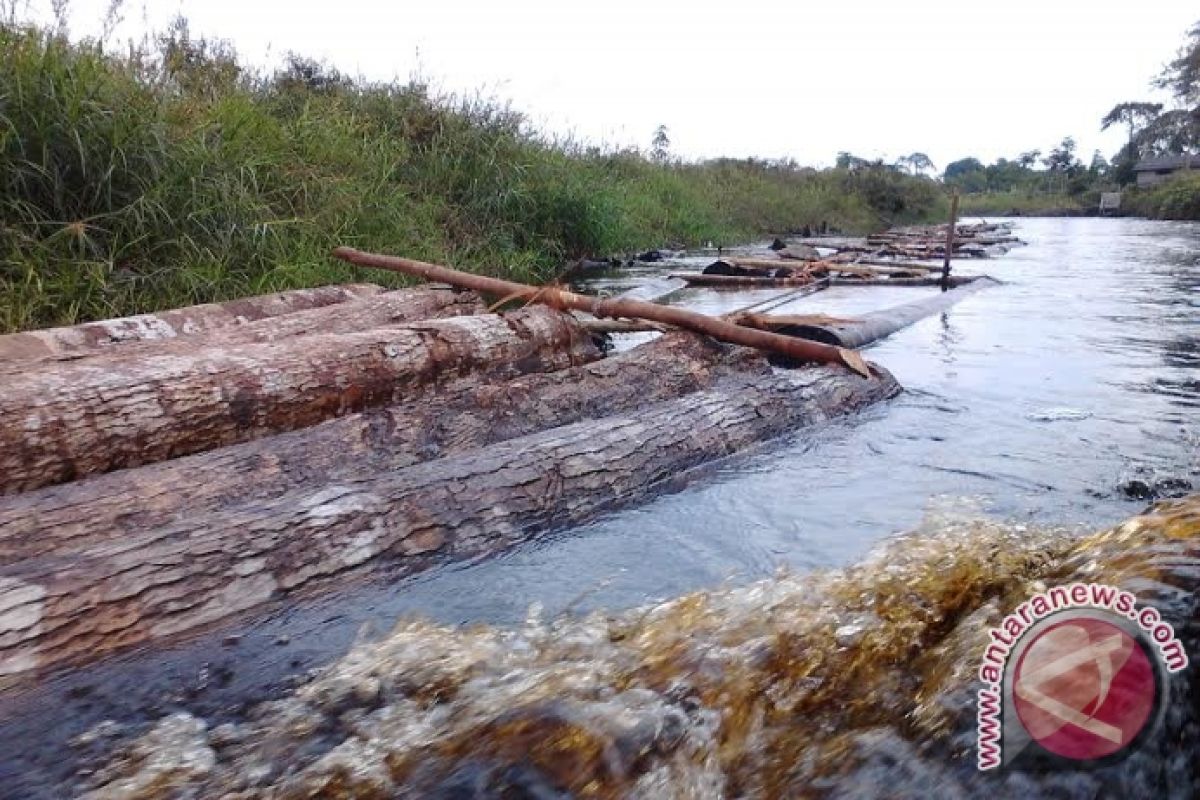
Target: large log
x=207, y=568
x=867, y=328
x=188, y=321
x=457, y=417
x=105, y=414
x=377, y=311
x=739, y=281
x=796, y=349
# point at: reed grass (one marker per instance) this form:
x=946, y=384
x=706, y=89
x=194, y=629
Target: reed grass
x=168, y=173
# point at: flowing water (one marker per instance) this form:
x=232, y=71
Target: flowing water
x=1059, y=400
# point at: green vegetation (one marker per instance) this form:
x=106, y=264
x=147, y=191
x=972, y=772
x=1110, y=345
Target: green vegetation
x=1017, y=203
x=171, y=174
x=1065, y=184
x=1178, y=198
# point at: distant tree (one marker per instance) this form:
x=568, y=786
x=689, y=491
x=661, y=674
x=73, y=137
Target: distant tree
x=1099, y=166
x=1062, y=158
x=917, y=163
x=1181, y=77
x=1135, y=115
x=962, y=167
x=1029, y=158
x=1062, y=165
x=1174, y=131
x=847, y=160
x=660, y=145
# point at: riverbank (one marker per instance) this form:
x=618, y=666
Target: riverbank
x=177, y=175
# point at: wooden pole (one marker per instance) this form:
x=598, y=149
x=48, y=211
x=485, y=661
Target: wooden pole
x=797, y=349
x=949, y=241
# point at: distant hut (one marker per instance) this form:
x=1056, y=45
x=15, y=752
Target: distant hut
x=1153, y=171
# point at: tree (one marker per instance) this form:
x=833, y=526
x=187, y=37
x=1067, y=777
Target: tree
x=1175, y=131
x=1181, y=77
x=1134, y=114
x=1062, y=158
x=1029, y=158
x=962, y=167
x=660, y=145
x=917, y=163
x=847, y=160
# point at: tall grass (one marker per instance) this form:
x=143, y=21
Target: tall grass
x=1019, y=203
x=169, y=174
x=1178, y=198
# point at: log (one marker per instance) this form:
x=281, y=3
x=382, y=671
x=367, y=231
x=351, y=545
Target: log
x=377, y=311
x=209, y=567
x=869, y=327
x=697, y=279
x=795, y=349
x=105, y=414
x=654, y=290
x=176, y=322
x=739, y=281
x=955, y=280
x=900, y=265
x=451, y=419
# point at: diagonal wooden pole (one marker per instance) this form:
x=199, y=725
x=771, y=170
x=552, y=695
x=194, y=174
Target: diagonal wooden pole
x=798, y=349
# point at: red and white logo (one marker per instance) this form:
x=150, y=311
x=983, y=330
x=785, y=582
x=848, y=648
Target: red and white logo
x=1076, y=670
x=1084, y=688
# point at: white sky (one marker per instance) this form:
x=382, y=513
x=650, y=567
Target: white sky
x=739, y=77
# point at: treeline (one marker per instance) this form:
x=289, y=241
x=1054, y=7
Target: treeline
x=137, y=178
x=1060, y=180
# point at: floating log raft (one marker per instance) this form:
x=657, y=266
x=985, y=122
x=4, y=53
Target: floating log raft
x=796, y=349
x=108, y=413
x=200, y=478
x=445, y=420
x=922, y=241
x=371, y=311
x=743, y=281
x=189, y=321
x=869, y=327
x=143, y=587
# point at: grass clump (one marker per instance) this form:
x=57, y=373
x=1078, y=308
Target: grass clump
x=170, y=174
x=1019, y=203
x=1178, y=198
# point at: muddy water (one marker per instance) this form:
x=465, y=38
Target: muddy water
x=1032, y=403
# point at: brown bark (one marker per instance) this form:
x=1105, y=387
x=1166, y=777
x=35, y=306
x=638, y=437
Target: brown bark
x=380, y=310
x=738, y=281
x=796, y=349
x=206, y=568
x=454, y=418
x=188, y=321
x=105, y=414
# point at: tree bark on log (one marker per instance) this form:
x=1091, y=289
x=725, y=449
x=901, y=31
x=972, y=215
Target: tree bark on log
x=188, y=321
x=58, y=425
x=796, y=349
x=457, y=417
x=371, y=311
x=174, y=579
x=867, y=328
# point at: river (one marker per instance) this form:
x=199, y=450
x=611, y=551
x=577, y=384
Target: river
x=1046, y=401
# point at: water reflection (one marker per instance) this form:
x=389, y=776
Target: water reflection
x=1035, y=400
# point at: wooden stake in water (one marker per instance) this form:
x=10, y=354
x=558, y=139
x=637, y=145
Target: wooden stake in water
x=949, y=241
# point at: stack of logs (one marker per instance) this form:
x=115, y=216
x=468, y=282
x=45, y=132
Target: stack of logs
x=971, y=240
x=868, y=261
x=171, y=471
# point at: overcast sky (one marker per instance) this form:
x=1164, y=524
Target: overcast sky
x=740, y=77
